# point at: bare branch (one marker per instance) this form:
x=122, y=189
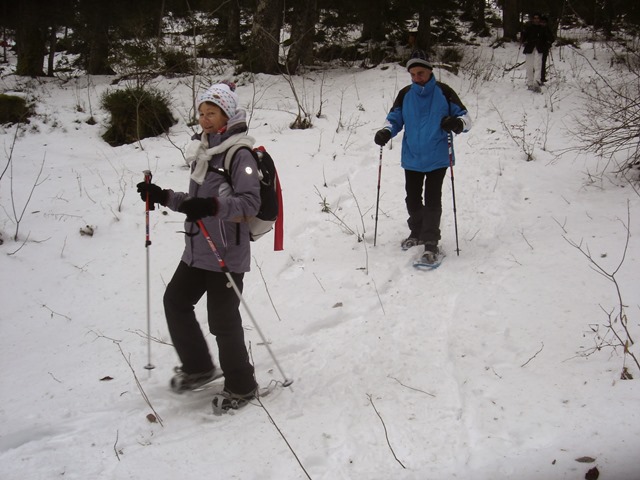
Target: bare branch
x=386, y=434
x=534, y=356
x=411, y=388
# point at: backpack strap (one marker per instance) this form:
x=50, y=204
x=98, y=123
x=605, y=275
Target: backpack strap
x=450, y=95
x=228, y=156
x=447, y=91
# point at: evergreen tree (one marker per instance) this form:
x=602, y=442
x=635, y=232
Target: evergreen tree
x=510, y=19
x=264, y=46
x=303, y=20
x=30, y=39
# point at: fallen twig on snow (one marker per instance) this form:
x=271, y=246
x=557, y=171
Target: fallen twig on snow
x=411, y=388
x=115, y=445
x=142, y=392
x=534, y=356
x=283, y=437
x=386, y=434
x=266, y=287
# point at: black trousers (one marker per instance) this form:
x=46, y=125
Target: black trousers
x=543, y=69
x=424, y=215
x=185, y=289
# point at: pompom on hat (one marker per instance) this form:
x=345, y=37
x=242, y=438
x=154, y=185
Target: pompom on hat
x=419, y=59
x=223, y=95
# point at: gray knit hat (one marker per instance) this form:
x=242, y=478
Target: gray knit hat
x=419, y=59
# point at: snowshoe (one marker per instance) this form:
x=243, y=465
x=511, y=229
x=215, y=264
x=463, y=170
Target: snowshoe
x=185, y=382
x=429, y=260
x=410, y=242
x=225, y=401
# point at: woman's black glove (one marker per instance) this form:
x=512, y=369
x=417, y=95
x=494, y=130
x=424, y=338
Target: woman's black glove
x=156, y=194
x=197, y=208
x=452, y=124
x=382, y=137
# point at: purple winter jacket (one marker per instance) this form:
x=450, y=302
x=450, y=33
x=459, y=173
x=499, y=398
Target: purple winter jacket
x=227, y=229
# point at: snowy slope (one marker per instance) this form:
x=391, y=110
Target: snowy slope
x=470, y=371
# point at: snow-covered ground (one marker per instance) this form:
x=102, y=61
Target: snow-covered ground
x=475, y=370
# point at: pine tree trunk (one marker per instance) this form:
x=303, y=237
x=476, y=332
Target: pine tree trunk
x=264, y=46
x=510, y=20
x=232, y=20
x=30, y=40
x=423, y=37
x=52, y=51
x=96, y=14
x=305, y=15
x=479, y=24
x=373, y=21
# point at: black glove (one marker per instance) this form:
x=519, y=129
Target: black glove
x=452, y=124
x=382, y=137
x=197, y=208
x=156, y=194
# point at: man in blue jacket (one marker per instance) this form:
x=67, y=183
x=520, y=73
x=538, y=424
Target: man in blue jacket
x=429, y=111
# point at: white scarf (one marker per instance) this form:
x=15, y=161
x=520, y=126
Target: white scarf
x=198, y=151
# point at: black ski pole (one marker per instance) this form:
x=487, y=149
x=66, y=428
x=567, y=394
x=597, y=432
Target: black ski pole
x=147, y=243
x=453, y=191
x=234, y=285
x=375, y=231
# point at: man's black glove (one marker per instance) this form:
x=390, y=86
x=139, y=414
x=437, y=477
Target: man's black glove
x=382, y=137
x=156, y=194
x=197, y=208
x=452, y=124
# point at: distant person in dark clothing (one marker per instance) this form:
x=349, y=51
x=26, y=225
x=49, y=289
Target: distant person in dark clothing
x=536, y=39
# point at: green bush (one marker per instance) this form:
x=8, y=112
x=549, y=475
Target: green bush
x=451, y=55
x=177, y=63
x=13, y=109
x=136, y=113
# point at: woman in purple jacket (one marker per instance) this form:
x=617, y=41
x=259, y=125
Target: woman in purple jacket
x=428, y=111
x=222, y=202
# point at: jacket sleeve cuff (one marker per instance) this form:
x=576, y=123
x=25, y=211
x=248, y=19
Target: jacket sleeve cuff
x=466, y=122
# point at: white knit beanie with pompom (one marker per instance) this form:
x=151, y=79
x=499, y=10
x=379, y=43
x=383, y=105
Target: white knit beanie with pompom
x=223, y=95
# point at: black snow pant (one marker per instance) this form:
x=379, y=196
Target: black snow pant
x=543, y=69
x=185, y=289
x=424, y=217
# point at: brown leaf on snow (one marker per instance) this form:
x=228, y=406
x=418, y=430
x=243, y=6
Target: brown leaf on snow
x=152, y=418
x=106, y=379
x=585, y=460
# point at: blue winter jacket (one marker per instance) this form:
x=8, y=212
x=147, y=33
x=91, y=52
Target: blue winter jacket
x=419, y=110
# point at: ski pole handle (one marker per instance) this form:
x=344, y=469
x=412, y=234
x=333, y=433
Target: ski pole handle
x=147, y=180
x=453, y=192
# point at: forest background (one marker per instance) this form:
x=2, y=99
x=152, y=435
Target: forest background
x=107, y=35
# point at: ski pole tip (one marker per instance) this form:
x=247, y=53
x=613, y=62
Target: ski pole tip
x=149, y=367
